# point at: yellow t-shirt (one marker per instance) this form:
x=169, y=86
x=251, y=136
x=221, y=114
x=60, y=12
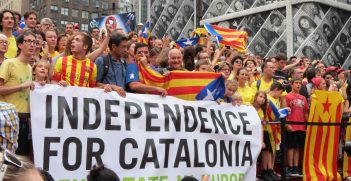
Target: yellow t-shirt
x=12, y=48
x=247, y=93
x=15, y=72
x=265, y=87
x=260, y=114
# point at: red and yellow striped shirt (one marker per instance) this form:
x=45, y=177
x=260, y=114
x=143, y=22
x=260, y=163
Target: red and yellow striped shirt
x=75, y=72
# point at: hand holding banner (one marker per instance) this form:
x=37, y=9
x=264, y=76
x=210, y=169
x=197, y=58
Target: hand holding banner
x=142, y=136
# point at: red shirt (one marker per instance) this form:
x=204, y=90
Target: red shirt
x=299, y=106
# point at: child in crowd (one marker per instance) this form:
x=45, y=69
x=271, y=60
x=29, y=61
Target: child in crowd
x=268, y=153
x=295, y=136
x=41, y=72
x=231, y=87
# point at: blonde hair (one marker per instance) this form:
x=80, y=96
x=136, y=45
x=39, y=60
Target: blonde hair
x=46, y=64
x=17, y=174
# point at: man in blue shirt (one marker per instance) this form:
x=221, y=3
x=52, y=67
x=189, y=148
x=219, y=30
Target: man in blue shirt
x=111, y=74
x=132, y=75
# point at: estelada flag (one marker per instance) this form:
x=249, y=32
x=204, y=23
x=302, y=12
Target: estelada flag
x=347, y=160
x=185, y=84
x=274, y=130
x=321, y=144
x=229, y=37
x=145, y=33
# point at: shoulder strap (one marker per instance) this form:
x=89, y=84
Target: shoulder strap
x=106, y=64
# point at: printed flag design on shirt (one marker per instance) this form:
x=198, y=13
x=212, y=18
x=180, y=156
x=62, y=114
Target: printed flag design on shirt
x=228, y=37
x=187, y=42
x=321, y=144
x=145, y=33
x=183, y=84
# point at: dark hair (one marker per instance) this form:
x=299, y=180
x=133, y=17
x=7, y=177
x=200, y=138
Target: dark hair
x=38, y=32
x=237, y=57
x=280, y=56
x=276, y=85
x=188, y=57
x=264, y=106
x=46, y=175
x=240, y=69
x=18, y=14
x=101, y=173
x=116, y=39
x=139, y=45
x=198, y=49
x=327, y=73
x=189, y=178
x=93, y=28
x=250, y=60
x=2, y=16
x=294, y=80
x=292, y=57
x=20, y=38
x=27, y=14
x=310, y=74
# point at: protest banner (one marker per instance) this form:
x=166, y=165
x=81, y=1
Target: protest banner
x=142, y=137
x=124, y=21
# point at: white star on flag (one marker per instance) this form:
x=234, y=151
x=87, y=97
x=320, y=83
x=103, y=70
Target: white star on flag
x=188, y=42
x=209, y=96
x=145, y=31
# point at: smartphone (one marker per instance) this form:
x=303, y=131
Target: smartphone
x=11, y=159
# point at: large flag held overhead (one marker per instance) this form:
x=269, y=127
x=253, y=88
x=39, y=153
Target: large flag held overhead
x=321, y=145
x=228, y=37
x=187, y=42
x=145, y=33
x=185, y=85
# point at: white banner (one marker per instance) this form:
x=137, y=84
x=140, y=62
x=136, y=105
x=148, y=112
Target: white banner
x=142, y=137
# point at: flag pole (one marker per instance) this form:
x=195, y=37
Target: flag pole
x=283, y=149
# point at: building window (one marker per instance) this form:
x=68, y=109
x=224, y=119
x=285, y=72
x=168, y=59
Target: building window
x=85, y=2
x=64, y=11
x=84, y=27
x=74, y=13
x=94, y=15
x=104, y=5
x=85, y=14
x=63, y=23
x=54, y=9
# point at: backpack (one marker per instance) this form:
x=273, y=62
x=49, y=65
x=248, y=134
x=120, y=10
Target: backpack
x=106, y=64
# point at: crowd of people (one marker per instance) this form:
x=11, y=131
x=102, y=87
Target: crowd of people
x=38, y=54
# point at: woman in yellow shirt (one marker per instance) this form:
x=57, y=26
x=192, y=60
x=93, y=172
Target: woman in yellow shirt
x=246, y=92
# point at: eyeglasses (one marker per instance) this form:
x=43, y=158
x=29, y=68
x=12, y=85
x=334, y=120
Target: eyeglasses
x=238, y=61
x=4, y=42
x=30, y=42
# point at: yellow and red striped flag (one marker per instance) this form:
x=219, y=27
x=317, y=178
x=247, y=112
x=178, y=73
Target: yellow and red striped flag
x=321, y=144
x=229, y=37
x=347, y=160
x=184, y=84
x=273, y=129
